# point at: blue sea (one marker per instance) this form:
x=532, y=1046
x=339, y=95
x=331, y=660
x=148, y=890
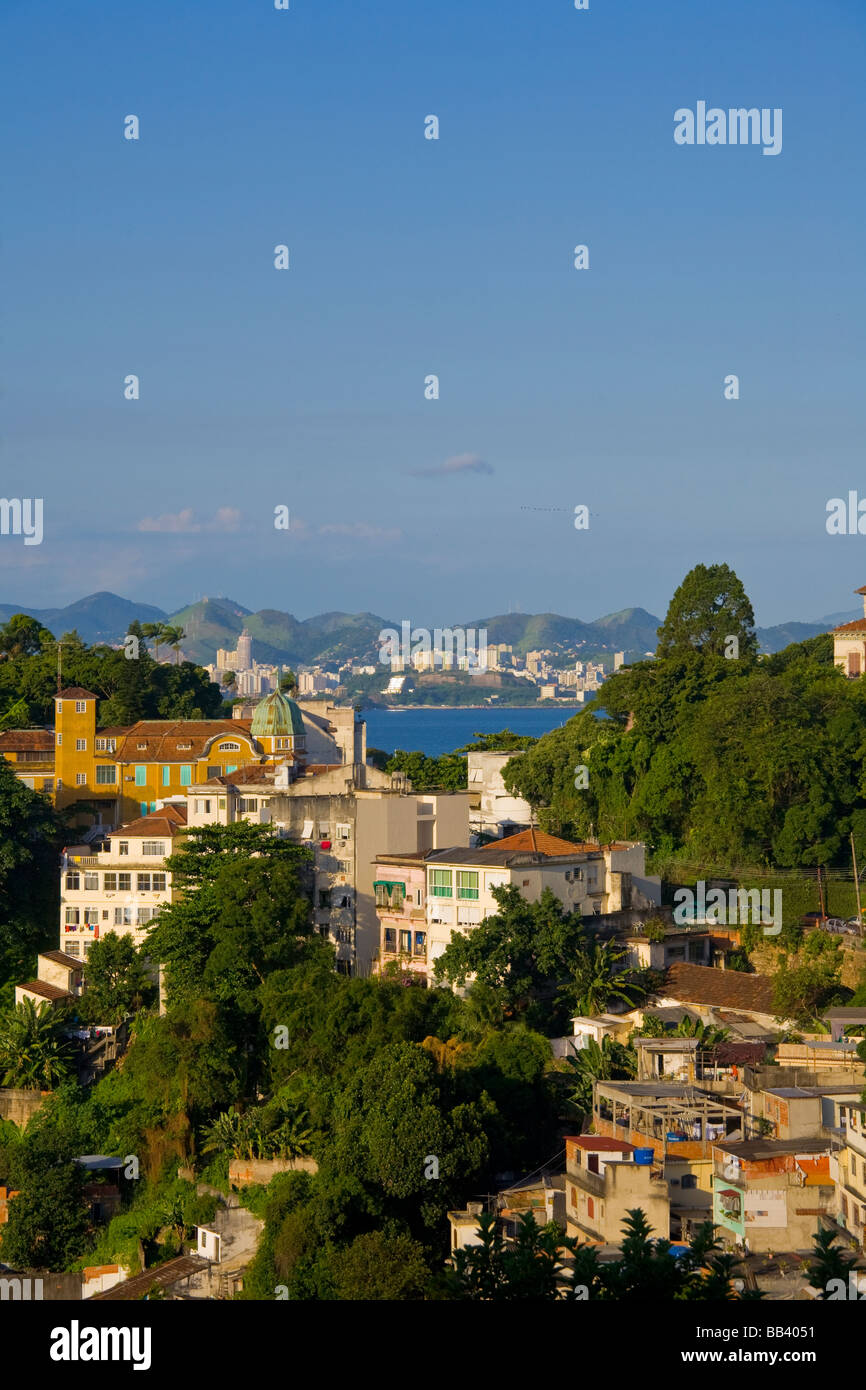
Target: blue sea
x=436, y=731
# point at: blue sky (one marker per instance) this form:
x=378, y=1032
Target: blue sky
x=558, y=387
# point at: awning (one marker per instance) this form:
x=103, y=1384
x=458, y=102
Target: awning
x=383, y=883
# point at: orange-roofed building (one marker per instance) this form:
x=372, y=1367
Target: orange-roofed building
x=772, y=1193
x=849, y=643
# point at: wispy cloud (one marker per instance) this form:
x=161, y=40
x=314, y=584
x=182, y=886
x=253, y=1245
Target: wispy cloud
x=225, y=519
x=457, y=464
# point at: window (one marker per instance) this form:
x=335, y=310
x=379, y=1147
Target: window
x=152, y=847
x=124, y=883
x=390, y=939
x=141, y=776
x=105, y=914
x=468, y=916
x=689, y=1180
x=343, y=832
x=72, y=948
x=440, y=883
x=183, y=747
x=124, y=847
x=144, y=914
x=143, y=806
x=420, y=943
x=324, y=897
x=110, y=883
x=213, y=770
x=406, y=942
x=80, y=707
x=166, y=776
x=207, y=808
x=249, y=803
x=467, y=883
x=185, y=774
x=72, y=917
x=91, y=916
x=230, y=748
x=72, y=880
x=91, y=883
x=105, y=775
x=123, y=916
x=81, y=779
x=81, y=745
x=590, y=1207
x=142, y=883
x=59, y=740
x=105, y=745
x=158, y=881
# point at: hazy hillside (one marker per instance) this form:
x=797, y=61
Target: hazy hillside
x=101, y=617
x=329, y=639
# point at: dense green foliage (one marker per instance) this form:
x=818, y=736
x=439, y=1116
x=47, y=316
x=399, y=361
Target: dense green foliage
x=128, y=689
x=31, y=835
x=712, y=760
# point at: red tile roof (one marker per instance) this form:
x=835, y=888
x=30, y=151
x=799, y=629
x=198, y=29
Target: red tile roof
x=535, y=842
x=858, y=625
x=703, y=984
x=75, y=692
x=45, y=990
x=169, y=821
x=599, y=1143
x=165, y=739
x=27, y=740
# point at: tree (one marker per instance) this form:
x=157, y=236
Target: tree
x=33, y=1053
x=830, y=1264
x=525, y=951
x=173, y=636
x=504, y=742
x=156, y=631
x=800, y=992
x=447, y=773
x=48, y=1220
x=24, y=636
x=116, y=980
x=607, y=1061
x=708, y=608
x=242, y=913
x=288, y=681
x=229, y=680
x=30, y=841
x=380, y=1267
x=598, y=979
x=533, y=1267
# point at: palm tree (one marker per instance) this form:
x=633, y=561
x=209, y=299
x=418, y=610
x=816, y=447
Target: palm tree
x=157, y=632
x=609, y=1062
x=707, y=1034
x=225, y=1134
x=294, y=1138
x=598, y=979
x=33, y=1055
x=174, y=636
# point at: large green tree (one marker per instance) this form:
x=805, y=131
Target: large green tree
x=707, y=610
x=30, y=839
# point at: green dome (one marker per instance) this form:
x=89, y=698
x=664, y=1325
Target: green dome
x=277, y=716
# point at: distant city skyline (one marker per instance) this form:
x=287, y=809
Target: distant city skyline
x=559, y=387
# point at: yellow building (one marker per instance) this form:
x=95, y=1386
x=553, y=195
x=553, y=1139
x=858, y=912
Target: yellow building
x=849, y=643
x=117, y=774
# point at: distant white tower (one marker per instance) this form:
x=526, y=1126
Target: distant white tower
x=245, y=651
x=618, y=660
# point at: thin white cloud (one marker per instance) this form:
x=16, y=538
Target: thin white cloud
x=458, y=464
x=184, y=522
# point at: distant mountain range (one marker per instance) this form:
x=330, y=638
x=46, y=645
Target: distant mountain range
x=329, y=639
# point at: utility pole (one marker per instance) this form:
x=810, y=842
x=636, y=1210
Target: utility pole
x=821, y=892
x=857, y=885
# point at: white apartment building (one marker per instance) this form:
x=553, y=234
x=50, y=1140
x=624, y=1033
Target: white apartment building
x=848, y=1170
x=119, y=888
x=593, y=878
x=492, y=808
x=347, y=814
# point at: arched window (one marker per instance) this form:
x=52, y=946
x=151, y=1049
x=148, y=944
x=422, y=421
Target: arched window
x=230, y=748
